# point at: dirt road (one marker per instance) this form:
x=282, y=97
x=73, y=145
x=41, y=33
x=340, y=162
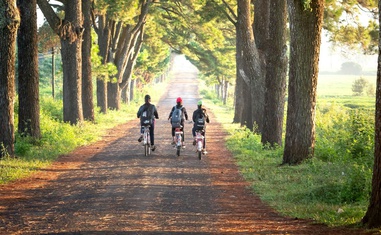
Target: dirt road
x=111, y=188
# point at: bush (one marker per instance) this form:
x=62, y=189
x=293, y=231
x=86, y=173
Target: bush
x=359, y=85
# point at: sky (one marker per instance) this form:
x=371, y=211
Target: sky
x=331, y=59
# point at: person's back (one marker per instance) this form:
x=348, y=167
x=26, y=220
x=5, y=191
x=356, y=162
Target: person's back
x=200, y=118
x=177, y=116
x=147, y=114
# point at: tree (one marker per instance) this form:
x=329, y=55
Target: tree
x=350, y=68
x=9, y=24
x=276, y=73
x=28, y=79
x=87, y=81
x=305, y=30
x=344, y=20
x=120, y=29
x=246, y=60
x=70, y=30
x=372, y=218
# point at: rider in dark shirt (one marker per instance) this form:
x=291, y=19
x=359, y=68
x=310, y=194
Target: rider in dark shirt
x=153, y=114
x=199, y=112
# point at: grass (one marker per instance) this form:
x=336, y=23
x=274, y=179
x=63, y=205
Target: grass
x=332, y=188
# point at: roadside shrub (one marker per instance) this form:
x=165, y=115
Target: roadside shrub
x=52, y=107
x=357, y=185
x=331, y=132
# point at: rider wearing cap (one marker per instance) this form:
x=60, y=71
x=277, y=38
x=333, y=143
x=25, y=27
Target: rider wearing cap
x=199, y=112
x=179, y=105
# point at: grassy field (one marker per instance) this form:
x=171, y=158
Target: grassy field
x=338, y=89
x=336, y=85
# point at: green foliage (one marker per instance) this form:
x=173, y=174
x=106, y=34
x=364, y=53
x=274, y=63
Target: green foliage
x=361, y=132
x=353, y=34
x=205, y=36
x=126, y=10
x=98, y=69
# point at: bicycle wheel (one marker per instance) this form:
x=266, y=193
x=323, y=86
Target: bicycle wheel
x=199, y=155
x=146, y=150
x=178, y=151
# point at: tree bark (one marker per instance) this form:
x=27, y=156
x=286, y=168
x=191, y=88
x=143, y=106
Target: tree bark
x=102, y=95
x=372, y=218
x=104, y=38
x=28, y=77
x=87, y=84
x=260, y=29
x=305, y=31
x=252, y=71
x=239, y=82
x=276, y=73
x=70, y=31
x=9, y=24
x=71, y=42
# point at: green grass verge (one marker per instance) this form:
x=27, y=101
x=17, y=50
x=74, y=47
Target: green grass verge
x=325, y=191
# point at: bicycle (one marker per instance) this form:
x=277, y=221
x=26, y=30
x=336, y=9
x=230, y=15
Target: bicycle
x=146, y=140
x=178, y=140
x=199, y=143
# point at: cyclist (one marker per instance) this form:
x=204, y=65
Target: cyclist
x=147, y=114
x=177, y=116
x=200, y=118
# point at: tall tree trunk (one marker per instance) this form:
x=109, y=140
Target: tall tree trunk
x=113, y=95
x=226, y=87
x=72, y=63
x=70, y=31
x=253, y=64
x=9, y=23
x=239, y=82
x=132, y=90
x=372, y=218
x=260, y=28
x=305, y=31
x=276, y=73
x=102, y=95
x=87, y=84
x=28, y=78
x=104, y=38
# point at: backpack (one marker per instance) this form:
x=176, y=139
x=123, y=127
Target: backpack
x=177, y=116
x=146, y=117
x=200, y=121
